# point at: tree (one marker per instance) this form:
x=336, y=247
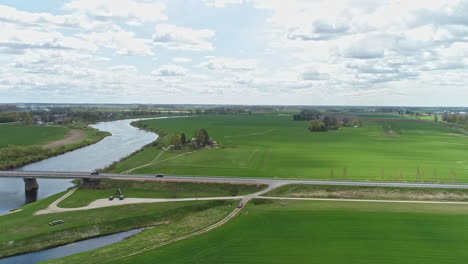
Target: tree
x=202, y=137
x=345, y=121
x=436, y=119
x=27, y=119
x=317, y=126
x=307, y=114
x=176, y=140
x=460, y=120
x=327, y=120
x=356, y=123
x=183, y=139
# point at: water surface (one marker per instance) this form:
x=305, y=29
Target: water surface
x=70, y=249
x=125, y=140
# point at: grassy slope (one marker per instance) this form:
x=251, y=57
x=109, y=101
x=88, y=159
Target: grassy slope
x=14, y=156
x=156, y=189
x=276, y=146
x=22, y=135
x=148, y=239
x=328, y=232
x=378, y=193
x=22, y=231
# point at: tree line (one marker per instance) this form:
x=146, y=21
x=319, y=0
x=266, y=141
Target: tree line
x=201, y=139
x=332, y=123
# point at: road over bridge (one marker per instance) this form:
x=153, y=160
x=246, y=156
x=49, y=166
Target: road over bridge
x=240, y=180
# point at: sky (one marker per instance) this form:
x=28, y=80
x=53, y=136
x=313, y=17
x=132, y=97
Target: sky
x=294, y=52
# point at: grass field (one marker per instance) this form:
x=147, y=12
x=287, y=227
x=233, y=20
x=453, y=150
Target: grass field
x=21, y=144
x=276, y=146
x=327, y=232
x=23, y=231
x=156, y=189
x=365, y=192
x=22, y=135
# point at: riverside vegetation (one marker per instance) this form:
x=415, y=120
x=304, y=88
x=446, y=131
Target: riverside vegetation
x=22, y=144
x=24, y=232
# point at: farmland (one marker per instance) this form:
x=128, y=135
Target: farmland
x=24, y=144
x=268, y=145
x=23, y=231
x=327, y=232
x=23, y=135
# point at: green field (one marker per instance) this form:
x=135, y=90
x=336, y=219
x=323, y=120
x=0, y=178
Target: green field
x=327, y=232
x=23, y=135
x=276, y=146
x=23, y=231
x=367, y=192
x=156, y=189
x=21, y=144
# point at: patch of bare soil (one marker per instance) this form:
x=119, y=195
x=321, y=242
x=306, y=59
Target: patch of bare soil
x=75, y=135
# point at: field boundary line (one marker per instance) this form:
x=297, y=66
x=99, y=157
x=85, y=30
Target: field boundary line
x=156, y=162
x=358, y=200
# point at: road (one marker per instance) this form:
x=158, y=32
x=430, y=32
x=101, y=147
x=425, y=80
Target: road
x=221, y=179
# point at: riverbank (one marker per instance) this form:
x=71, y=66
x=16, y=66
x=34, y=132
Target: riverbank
x=25, y=232
x=13, y=157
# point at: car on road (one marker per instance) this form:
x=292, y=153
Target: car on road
x=111, y=198
x=121, y=197
x=95, y=172
x=159, y=175
x=240, y=205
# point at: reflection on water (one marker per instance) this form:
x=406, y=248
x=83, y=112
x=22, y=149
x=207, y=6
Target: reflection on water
x=125, y=139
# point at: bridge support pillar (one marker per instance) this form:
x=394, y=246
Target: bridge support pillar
x=30, y=189
x=90, y=183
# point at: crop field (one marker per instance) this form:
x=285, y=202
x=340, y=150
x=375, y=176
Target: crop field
x=276, y=146
x=327, y=232
x=22, y=135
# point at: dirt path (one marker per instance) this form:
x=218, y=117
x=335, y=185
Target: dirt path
x=53, y=208
x=100, y=203
x=75, y=135
x=158, y=161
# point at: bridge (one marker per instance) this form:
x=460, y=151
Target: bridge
x=31, y=185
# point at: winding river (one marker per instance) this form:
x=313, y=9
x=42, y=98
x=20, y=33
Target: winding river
x=125, y=139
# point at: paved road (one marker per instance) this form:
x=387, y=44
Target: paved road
x=194, y=178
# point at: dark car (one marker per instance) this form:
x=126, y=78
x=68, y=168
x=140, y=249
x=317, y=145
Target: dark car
x=95, y=172
x=111, y=198
x=121, y=197
x=159, y=175
x=240, y=205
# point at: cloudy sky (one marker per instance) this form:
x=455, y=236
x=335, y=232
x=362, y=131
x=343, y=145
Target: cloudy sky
x=314, y=52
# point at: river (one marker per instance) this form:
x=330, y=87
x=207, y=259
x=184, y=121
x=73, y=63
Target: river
x=125, y=139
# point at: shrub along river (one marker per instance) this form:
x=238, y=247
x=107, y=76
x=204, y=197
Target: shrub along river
x=125, y=139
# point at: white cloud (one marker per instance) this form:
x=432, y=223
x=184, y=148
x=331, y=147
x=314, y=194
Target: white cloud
x=222, y=3
x=123, y=42
x=181, y=60
x=135, y=12
x=16, y=40
x=124, y=68
x=229, y=64
x=170, y=70
x=181, y=38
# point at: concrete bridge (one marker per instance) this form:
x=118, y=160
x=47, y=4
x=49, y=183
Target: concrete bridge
x=31, y=185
